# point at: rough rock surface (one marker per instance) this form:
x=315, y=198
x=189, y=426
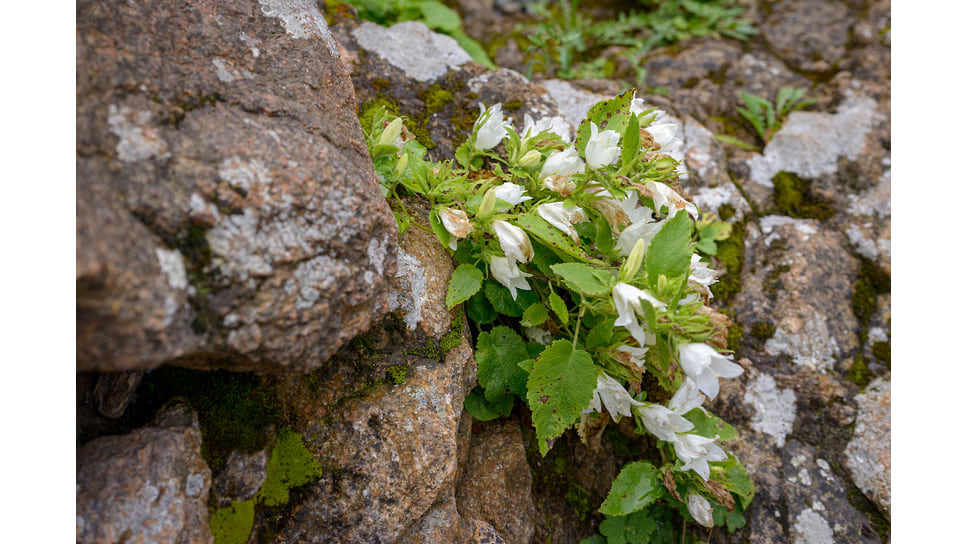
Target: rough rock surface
x=400, y=461
x=495, y=486
x=869, y=453
x=227, y=214
x=147, y=486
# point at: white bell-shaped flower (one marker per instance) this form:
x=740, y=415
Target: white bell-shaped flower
x=663, y=195
x=643, y=229
x=662, y=422
x=700, y=273
x=514, y=241
x=489, y=127
x=696, y=452
x=456, y=223
x=507, y=273
x=631, y=355
x=628, y=303
x=557, y=124
x=510, y=192
x=602, y=148
x=562, y=163
x=686, y=398
x=705, y=365
x=613, y=395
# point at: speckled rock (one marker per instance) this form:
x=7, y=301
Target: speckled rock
x=439, y=91
x=150, y=485
x=809, y=35
x=795, y=302
x=241, y=478
x=496, y=482
x=869, y=452
x=382, y=420
x=227, y=214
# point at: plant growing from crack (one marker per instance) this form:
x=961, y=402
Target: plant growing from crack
x=765, y=117
x=575, y=261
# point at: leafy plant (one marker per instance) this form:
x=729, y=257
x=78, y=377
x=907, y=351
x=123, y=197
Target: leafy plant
x=432, y=13
x=566, y=38
x=575, y=260
x=766, y=118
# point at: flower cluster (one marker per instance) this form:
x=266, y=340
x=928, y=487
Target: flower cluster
x=576, y=251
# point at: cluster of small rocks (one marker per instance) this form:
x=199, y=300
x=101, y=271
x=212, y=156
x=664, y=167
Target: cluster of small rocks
x=228, y=219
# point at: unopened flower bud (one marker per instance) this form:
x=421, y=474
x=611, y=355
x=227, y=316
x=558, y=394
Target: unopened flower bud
x=530, y=159
x=633, y=263
x=487, y=203
x=391, y=132
x=401, y=166
x=700, y=509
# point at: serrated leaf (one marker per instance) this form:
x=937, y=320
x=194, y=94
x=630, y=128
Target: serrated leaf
x=600, y=335
x=613, y=112
x=636, y=486
x=479, y=309
x=535, y=315
x=558, y=307
x=670, y=252
x=500, y=298
x=464, y=282
x=482, y=410
x=710, y=426
x=737, y=480
x=583, y=278
x=498, y=353
x=559, y=388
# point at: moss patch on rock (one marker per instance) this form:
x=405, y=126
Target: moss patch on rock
x=290, y=465
x=233, y=524
x=793, y=197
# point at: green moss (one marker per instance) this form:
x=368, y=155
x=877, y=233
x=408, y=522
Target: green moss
x=733, y=336
x=762, y=331
x=233, y=524
x=793, y=198
x=882, y=350
x=290, y=465
x=870, y=283
x=577, y=496
x=513, y=105
x=369, y=109
x=859, y=373
x=730, y=254
x=235, y=409
x=453, y=338
x=772, y=282
x=396, y=374
x=726, y=212
x=435, y=98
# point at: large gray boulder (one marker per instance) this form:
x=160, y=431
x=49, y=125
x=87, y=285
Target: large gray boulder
x=227, y=212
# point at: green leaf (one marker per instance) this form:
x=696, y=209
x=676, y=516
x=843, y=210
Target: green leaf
x=438, y=227
x=636, y=486
x=559, y=388
x=669, y=252
x=737, y=480
x=636, y=528
x=535, y=315
x=479, y=310
x=558, y=307
x=613, y=112
x=710, y=426
x=474, y=49
x=631, y=141
x=439, y=17
x=558, y=241
x=483, y=410
x=498, y=353
x=600, y=335
x=464, y=282
x=583, y=278
x=500, y=298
